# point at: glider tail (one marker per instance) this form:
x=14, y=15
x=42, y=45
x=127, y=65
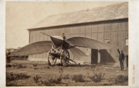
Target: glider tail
x=56, y=41
x=45, y=34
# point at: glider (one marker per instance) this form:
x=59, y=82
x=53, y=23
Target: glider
x=58, y=48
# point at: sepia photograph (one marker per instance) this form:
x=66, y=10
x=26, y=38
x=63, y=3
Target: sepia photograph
x=82, y=43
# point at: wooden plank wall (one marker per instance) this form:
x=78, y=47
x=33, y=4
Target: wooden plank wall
x=116, y=32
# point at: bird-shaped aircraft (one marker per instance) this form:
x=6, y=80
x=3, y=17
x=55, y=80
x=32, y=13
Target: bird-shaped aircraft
x=59, y=47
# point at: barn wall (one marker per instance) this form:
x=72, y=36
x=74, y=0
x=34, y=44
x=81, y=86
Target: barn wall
x=113, y=32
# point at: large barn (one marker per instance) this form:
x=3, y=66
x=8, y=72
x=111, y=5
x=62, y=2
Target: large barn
x=107, y=24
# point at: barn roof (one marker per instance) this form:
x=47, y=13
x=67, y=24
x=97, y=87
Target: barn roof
x=111, y=12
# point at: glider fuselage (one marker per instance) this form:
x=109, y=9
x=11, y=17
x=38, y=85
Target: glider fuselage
x=58, y=41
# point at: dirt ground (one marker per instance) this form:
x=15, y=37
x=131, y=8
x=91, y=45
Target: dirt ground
x=29, y=73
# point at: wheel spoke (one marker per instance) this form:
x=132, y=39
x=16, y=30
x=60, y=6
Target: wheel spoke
x=51, y=59
x=64, y=57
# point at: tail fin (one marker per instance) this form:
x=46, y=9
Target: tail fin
x=56, y=41
x=45, y=34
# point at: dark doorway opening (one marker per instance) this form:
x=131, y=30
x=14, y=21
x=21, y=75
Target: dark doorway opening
x=94, y=56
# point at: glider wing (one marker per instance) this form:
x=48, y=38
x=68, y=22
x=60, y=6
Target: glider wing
x=77, y=53
x=88, y=43
x=33, y=48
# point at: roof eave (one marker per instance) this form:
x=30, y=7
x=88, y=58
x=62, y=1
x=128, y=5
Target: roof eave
x=47, y=27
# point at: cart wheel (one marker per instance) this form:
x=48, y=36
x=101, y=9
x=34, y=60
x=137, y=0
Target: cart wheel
x=51, y=60
x=65, y=57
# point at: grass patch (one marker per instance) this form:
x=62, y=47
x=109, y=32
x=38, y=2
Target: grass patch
x=96, y=77
x=55, y=80
x=46, y=83
x=50, y=81
x=18, y=66
x=121, y=78
x=10, y=77
x=12, y=84
x=36, y=79
x=78, y=78
x=67, y=76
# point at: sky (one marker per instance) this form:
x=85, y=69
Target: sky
x=22, y=15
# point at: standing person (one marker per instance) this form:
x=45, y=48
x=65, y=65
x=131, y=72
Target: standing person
x=63, y=36
x=121, y=58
